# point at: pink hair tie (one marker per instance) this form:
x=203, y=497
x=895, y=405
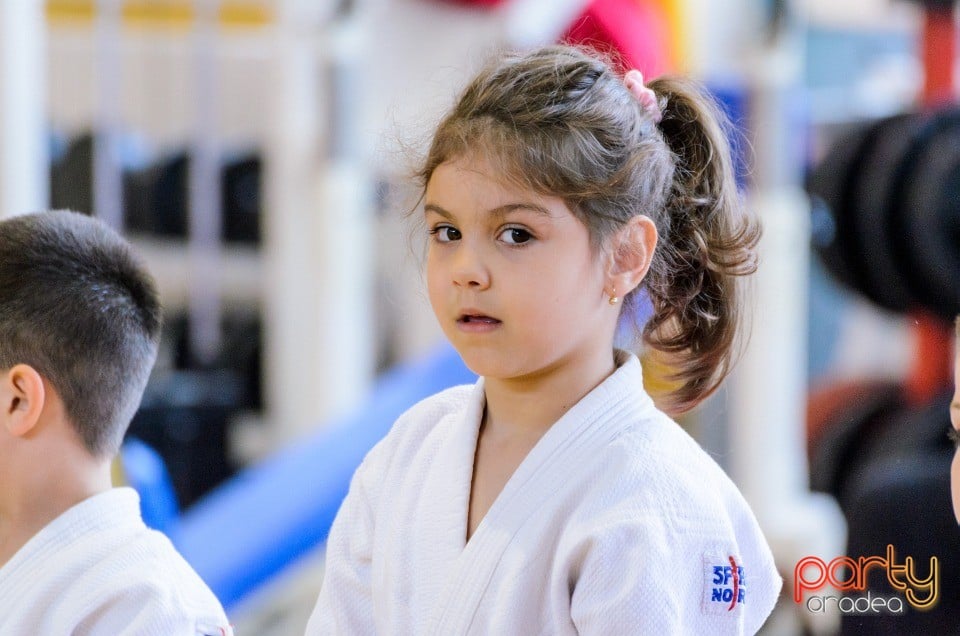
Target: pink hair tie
x=647, y=98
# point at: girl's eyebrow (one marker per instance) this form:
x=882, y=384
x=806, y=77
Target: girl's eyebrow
x=499, y=211
x=432, y=207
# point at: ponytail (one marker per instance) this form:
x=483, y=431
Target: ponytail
x=708, y=243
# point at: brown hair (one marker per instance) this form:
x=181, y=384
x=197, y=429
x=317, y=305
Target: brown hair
x=560, y=121
x=79, y=307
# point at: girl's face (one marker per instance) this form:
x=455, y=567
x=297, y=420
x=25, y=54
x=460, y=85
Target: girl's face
x=955, y=420
x=512, y=276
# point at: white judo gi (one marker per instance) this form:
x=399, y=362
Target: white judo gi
x=97, y=570
x=616, y=522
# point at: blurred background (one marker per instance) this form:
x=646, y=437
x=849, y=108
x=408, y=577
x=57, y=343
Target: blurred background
x=257, y=153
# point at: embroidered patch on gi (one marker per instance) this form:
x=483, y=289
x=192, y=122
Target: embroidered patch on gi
x=724, y=584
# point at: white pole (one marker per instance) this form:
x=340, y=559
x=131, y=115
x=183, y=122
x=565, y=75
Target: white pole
x=24, y=160
x=768, y=392
x=205, y=205
x=291, y=158
x=107, y=176
x=318, y=227
x=345, y=231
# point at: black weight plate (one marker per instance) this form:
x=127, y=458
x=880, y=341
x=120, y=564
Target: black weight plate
x=874, y=190
x=138, y=200
x=71, y=178
x=827, y=186
x=169, y=196
x=240, y=183
x=929, y=218
x=846, y=433
x=156, y=197
x=896, y=433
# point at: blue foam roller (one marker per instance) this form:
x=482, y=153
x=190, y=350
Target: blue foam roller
x=266, y=517
x=146, y=473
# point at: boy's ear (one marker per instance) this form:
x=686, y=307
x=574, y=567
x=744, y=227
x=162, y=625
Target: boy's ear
x=22, y=397
x=630, y=255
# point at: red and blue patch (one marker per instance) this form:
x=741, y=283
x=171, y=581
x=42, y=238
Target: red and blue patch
x=724, y=584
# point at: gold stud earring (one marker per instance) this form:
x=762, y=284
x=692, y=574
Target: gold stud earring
x=614, y=300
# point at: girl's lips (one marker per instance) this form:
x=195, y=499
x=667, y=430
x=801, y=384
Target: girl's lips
x=477, y=323
x=476, y=318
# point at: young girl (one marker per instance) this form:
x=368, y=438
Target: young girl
x=553, y=497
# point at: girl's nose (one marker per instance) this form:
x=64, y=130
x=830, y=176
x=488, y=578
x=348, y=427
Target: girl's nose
x=468, y=268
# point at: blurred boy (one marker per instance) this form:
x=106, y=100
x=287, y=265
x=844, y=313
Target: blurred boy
x=79, y=327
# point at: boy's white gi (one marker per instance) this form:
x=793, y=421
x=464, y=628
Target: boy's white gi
x=97, y=570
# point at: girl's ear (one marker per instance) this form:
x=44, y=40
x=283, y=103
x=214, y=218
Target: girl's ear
x=630, y=255
x=22, y=397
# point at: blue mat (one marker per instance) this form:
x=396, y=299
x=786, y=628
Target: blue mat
x=145, y=471
x=266, y=517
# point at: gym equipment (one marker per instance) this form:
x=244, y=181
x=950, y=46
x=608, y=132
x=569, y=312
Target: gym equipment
x=829, y=196
x=71, y=177
x=184, y=415
x=240, y=351
x=890, y=468
x=896, y=432
x=157, y=198
x=893, y=237
x=188, y=406
x=931, y=202
x=240, y=194
x=932, y=363
x=155, y=194
x=891, y=192
x=839, y=419
x=889, y=188
x=873, y=201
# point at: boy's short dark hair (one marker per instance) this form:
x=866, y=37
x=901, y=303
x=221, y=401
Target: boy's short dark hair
x=78, y=306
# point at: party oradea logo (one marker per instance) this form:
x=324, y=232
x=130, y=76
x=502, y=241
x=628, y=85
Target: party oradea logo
x=813, y=579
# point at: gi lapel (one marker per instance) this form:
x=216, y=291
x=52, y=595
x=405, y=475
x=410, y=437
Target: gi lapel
x=584, y=430
x=430, y=523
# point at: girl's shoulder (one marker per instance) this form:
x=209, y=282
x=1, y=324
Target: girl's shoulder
x=661, y=490
x=426, y=413
x=657, y=465
x=425, y=420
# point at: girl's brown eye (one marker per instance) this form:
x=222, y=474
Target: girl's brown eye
x=445, y=234
x=515, y=236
